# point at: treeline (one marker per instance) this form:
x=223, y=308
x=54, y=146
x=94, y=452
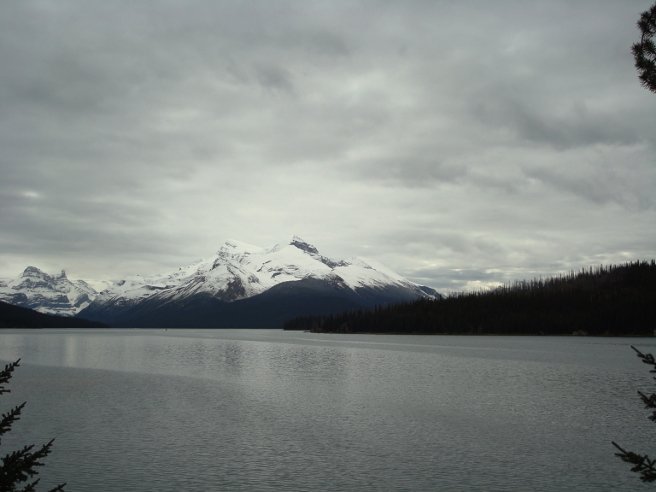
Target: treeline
x=608, y=300
x=18, y=317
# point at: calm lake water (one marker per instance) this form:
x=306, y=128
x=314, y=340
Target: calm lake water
x=198, y=410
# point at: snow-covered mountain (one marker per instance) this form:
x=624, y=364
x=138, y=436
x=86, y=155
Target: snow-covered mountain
x=49, y=294
x=239, y=279
x=240, y=270
x=241, y=285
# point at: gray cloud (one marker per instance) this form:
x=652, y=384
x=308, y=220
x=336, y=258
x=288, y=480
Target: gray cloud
x=461, y=144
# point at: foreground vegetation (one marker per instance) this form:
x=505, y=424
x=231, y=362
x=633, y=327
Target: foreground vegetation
x=614, y=300
x=19, y=469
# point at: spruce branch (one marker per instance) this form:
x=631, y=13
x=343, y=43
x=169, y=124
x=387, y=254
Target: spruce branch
x=646, y=358
x=644, y=52
x=19, y=469
x=643, y=464
x=7, y=419
x=5, y=376
x=648, y=400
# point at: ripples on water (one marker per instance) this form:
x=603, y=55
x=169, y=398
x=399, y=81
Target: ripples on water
x=269, y=410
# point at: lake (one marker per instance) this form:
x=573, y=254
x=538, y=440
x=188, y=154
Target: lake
x=258, y=410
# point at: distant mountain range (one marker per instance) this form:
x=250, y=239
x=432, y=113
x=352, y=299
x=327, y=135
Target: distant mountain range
x=240, y=286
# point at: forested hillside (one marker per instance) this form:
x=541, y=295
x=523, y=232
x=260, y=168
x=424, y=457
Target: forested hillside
x=18, y=317
x=612, y=300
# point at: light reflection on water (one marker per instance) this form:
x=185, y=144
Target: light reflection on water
x=269, y=410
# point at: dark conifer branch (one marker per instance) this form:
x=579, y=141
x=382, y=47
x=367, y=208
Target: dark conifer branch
x=19, y=469
x=5, y=376
x=642, y=463
x=644, y=52
x=9, y=418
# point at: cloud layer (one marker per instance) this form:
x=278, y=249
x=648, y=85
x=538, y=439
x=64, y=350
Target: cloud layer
x=462, y=145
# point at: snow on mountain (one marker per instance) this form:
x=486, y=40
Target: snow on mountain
x=261, y=286
x=239, y=270
x=50, y=294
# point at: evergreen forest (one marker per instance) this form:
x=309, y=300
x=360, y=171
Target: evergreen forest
x=616, y=300
x=18, y=317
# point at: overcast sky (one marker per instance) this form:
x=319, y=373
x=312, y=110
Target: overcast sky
x=461, y=143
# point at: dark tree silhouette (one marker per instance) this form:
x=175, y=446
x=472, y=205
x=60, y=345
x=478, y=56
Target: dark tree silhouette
x=615, y=300
x=644, y=52
x=19, y=468
x=642, y=464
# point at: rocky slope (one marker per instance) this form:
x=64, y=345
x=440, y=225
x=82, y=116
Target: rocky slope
x=49, y=294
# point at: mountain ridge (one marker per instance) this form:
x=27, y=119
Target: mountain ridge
x=237, y=273
x=48, y=294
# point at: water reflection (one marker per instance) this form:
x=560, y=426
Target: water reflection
x=265, y=410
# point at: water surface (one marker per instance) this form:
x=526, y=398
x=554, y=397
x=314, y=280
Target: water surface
x=136, y=410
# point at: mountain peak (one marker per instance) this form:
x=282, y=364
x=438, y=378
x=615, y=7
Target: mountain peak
x=50, y=294
x=241, y=283
x=31, y=271
x=234, y=246
x=303, y=245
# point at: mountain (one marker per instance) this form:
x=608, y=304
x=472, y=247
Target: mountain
x=18, y=317
x=248, y=286
x=49, y=294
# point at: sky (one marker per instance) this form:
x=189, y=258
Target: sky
x=460, y=143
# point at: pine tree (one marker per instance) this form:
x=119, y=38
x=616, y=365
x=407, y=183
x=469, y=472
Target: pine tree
x=642, y=463
x=644, y=52
x=19, y=468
